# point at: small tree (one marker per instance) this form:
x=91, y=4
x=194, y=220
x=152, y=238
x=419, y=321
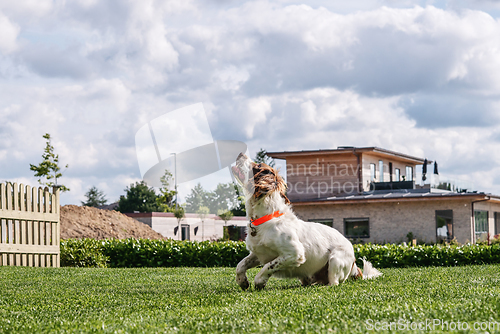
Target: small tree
x=240, y=208
x=262, y=156
x=166, y=198
x=179, y=213
x=49, y=167
x=226, y=216
x=95, y=197
x=140, y=198
x=202, y=212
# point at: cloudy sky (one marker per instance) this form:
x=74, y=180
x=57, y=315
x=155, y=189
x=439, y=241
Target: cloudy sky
x=418, y=77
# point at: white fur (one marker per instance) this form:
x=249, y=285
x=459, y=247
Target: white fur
x=290, y=247
x=369, y=271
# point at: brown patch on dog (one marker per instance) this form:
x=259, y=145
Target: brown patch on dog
x=321, y=276
x=359, y=274
x=266, y=180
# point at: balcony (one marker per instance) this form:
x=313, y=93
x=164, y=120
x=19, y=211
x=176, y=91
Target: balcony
x=444, y=183
x=433, y=183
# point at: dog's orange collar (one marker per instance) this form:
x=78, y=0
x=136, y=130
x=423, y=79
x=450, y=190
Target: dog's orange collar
x=262, y=220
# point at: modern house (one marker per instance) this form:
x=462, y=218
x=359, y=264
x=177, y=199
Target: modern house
x=192, y=226
x=374, y=194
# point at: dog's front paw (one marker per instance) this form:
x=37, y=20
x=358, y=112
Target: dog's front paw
x=260, y=286
x=243, y=282
x=244, y=285
x=260, y=283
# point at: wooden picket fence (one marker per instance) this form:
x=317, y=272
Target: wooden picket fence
x=30, y=231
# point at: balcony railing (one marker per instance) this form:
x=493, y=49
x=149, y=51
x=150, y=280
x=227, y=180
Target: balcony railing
x=444, y=183
x=432, y=182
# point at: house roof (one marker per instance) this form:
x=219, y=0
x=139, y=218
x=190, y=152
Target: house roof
x=347, y=149
x=396, y=196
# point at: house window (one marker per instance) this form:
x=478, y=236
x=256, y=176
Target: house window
x=326, y=221
x=373, y=172
x=497, y=223
x=409, y=173
x=381, y=170
x=444, y=225
x=398, y=174
x=356, y=227
x=185, y=232
x=481, y=225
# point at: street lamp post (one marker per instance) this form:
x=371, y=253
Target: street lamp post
x=175, y=177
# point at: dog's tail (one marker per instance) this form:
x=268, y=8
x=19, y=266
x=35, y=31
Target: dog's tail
x=368, y=272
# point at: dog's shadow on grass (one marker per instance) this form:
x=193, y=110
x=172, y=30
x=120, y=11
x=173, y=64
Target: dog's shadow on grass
x=292, y=285
x=281, y=287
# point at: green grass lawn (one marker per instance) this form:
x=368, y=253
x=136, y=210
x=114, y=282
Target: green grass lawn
x=208, y=300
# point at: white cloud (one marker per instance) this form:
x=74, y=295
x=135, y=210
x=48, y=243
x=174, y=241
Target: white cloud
x=8, y=36
x=27, y=10
x=231, y=78
x=280, y=75
x=257, y=110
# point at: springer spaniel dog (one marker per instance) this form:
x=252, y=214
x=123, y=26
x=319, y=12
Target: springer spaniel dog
x=285, y=245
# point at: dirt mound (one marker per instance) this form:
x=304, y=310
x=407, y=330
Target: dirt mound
x=88, y=222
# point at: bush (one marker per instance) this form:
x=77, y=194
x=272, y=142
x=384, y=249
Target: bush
x=173, y=253
x=82, y=253
x=152, y=253
x=397, y=256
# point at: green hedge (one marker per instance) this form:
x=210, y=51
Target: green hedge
x=83, y=253
x=397, y=256
x=117, y=253
x=172, y=253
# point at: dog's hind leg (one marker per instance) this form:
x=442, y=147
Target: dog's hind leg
x=250, y=261
x=338, y=270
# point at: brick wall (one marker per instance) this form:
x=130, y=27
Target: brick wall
x=391, y=221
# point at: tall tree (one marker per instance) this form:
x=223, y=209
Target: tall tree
x=262, y=156
x=197, y=198
x=139, y=197
x=95, y=197
x=166, y=198
x=224, y=197
x=49, y=167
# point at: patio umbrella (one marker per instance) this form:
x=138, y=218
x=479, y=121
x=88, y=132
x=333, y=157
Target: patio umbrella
x=424, y=170
x=436, y=168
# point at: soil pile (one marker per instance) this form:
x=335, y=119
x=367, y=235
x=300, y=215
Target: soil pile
x=88, y=222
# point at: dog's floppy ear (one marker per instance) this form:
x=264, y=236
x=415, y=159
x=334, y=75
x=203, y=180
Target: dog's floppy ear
x=266, y=180
x=281, y=187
